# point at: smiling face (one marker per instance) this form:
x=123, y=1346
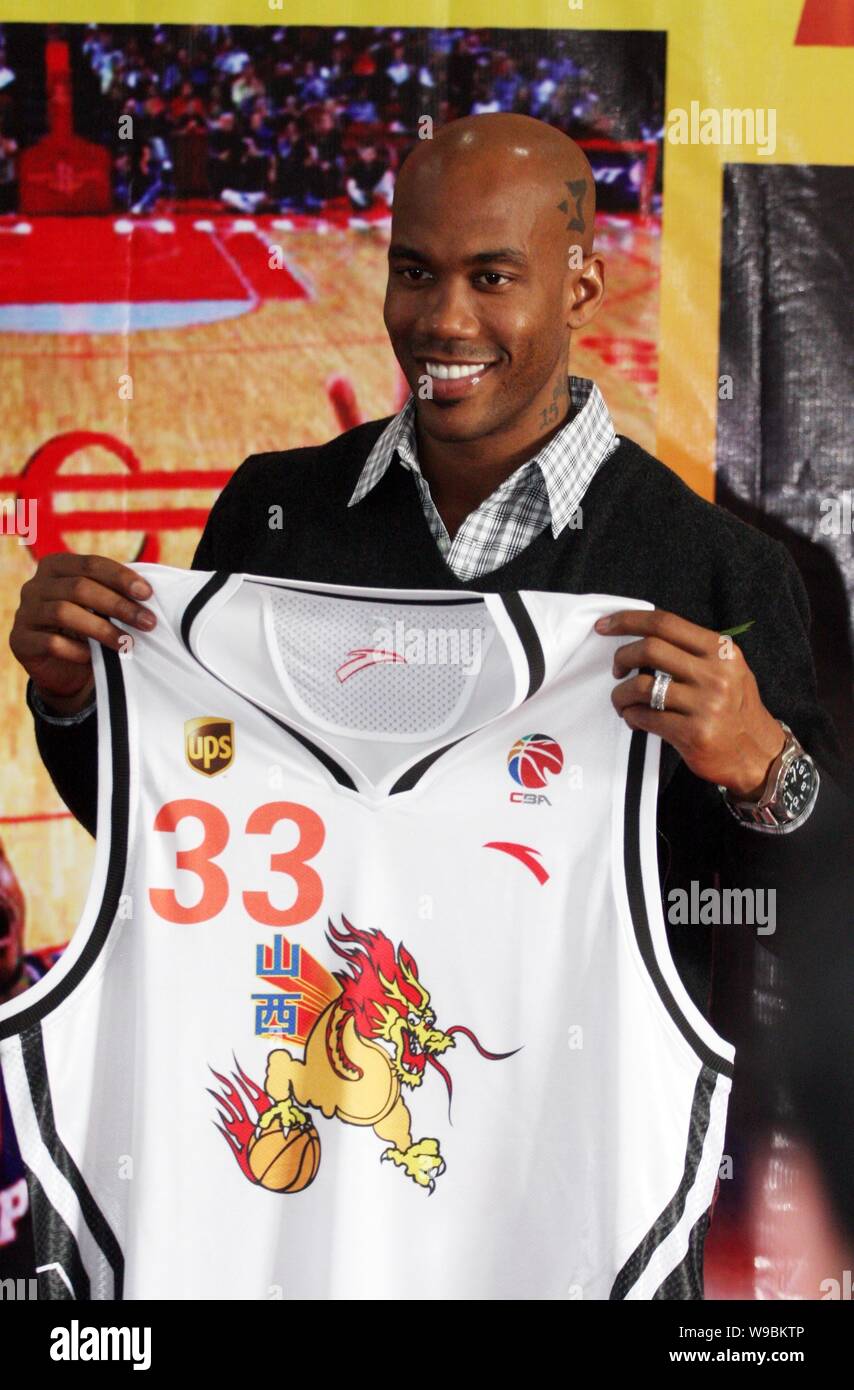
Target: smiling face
x=482, y=296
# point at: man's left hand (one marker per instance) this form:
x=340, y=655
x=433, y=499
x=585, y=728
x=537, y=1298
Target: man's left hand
x=713, y=714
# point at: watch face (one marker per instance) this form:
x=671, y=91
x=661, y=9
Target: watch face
x=798, y=785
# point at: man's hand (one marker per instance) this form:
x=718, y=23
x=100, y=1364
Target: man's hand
x=70, y=598
x=713, y=714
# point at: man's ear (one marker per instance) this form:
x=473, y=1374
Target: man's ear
x=586, y=290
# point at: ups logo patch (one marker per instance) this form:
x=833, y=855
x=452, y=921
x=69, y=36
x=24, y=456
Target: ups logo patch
x=209, y=744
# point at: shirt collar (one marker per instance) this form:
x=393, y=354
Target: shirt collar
x=566, y=463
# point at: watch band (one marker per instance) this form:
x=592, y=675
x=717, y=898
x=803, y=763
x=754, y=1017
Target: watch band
x=767, y=813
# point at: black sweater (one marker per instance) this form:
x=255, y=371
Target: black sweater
x=646, y=535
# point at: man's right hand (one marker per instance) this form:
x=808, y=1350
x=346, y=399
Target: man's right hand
x=70, y=598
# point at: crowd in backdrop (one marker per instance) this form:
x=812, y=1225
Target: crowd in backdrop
x=271, y=119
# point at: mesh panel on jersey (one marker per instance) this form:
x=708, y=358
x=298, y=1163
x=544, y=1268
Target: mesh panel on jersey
x=319, y=640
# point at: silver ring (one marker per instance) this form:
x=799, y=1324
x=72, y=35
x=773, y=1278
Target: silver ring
x=658, y=694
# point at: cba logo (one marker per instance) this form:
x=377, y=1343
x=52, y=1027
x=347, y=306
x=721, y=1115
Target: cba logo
x=209, y=744
x=533, y=759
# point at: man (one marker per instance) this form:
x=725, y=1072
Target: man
x=18, y=970
x=369, y=178
x=501, y=473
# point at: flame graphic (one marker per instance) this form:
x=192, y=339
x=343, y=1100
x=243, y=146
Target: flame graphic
x=237, y=1128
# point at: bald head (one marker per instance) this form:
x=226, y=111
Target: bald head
x=491, y=269
x=515, y=155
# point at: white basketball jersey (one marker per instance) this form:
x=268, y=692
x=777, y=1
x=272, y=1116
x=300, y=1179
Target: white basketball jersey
x=371, y=996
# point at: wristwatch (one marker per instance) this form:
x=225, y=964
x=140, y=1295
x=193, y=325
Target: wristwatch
x=789, y=793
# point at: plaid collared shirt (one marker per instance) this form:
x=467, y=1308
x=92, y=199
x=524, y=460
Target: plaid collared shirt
x=548, y=488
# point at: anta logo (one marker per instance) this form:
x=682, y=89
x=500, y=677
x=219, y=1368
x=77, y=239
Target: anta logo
x=532, y=760
x=209, y=744
x=526, y=854
x=361, y=657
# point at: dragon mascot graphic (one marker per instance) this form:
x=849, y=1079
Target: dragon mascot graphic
x=366, y=1049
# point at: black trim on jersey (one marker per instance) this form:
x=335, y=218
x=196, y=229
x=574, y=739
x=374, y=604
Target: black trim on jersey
x=666, y=1221
x=191, y=612
x=637, y=906
x=54, y=1243
x=197, y=603
x=35, y=1066
x=366, y=598
x=342, y=777
x=532, y=647
x=528, y=636
x=516, y=611
x=685, y=1282
x=120, y=758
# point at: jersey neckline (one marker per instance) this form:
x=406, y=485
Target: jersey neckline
x=513, y=624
